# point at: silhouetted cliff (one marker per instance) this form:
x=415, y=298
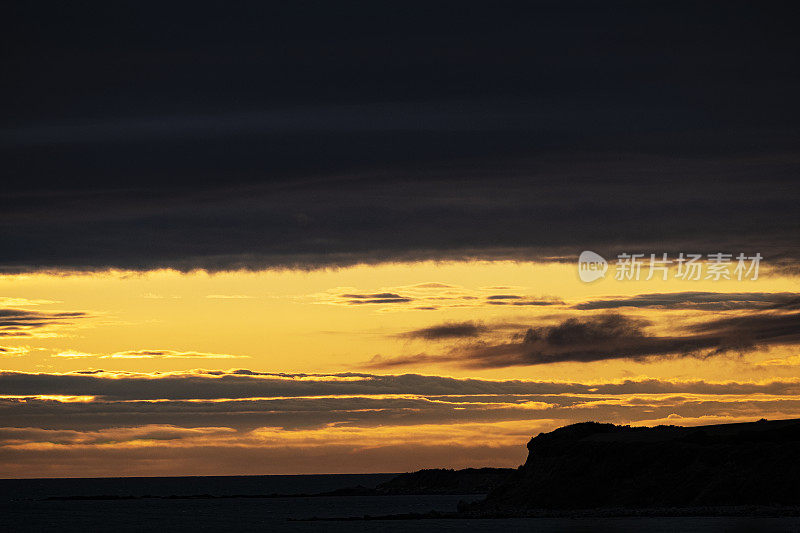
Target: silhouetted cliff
x=593, y=465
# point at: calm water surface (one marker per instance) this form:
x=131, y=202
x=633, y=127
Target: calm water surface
x=24, y=507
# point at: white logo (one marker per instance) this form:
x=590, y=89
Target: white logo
x=591, y=266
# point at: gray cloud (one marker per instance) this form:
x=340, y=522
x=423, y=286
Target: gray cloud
x=431, y=296
x=20, y=322
x=752, y=330
x=710, y=301
x=376, y=298
x=515, y=299
x=447, y=331
x=380, y=295
x=615, y=336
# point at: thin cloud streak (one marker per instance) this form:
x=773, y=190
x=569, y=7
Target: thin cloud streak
x=29, y=323
x=705, y=301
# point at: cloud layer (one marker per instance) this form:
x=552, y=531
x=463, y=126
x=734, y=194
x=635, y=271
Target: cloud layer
x=104, y=422
x=488, y=136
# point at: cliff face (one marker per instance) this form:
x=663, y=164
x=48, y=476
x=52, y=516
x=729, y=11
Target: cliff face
x=592, y=465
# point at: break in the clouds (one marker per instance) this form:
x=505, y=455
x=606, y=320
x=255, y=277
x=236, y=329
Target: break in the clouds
x=587, y=339
x=429, y=296
x=169, y=354
x=148, y=354
x=6, y=301
x=532, y=136
x=13, y=351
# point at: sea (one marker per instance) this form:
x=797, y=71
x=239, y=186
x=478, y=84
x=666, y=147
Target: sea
x=237, y=503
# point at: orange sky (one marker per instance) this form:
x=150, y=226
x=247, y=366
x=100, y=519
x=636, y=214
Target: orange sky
x=229, y=339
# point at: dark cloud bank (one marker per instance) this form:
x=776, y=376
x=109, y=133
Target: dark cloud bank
x=303, y=137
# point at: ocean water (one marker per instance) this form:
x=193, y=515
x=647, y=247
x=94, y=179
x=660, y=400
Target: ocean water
x=24, y=506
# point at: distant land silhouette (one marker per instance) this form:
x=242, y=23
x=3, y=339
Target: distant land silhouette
x=422, y=482
x=445, y=481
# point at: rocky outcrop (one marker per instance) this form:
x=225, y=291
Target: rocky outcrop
x=593, y=465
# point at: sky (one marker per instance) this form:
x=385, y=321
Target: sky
x=321, y=239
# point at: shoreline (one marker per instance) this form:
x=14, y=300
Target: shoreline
x=744, y=511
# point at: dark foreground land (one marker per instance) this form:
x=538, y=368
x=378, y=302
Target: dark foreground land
x=603, y=466
x=583, y=477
